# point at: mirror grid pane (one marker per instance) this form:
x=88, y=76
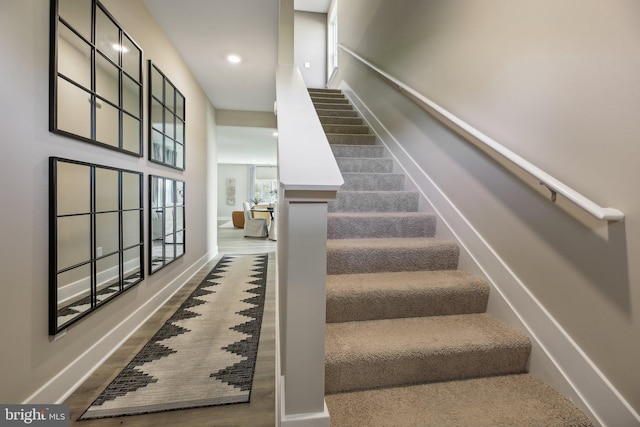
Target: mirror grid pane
x=91, y=232
x=167, y=106
x=101, y=49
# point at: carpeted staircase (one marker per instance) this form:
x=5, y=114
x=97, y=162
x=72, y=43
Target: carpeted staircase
x=408, y=342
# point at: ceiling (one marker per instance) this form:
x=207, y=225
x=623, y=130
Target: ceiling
x=205, y=32
x=245, y=145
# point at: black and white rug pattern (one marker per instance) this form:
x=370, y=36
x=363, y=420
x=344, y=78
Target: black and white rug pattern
x=204, y=355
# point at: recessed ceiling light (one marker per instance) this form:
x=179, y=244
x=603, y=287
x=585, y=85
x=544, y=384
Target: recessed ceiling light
x=275, y=134
x=233, y=58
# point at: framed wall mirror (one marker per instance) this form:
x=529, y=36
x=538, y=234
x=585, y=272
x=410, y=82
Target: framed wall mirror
x=95, y=86
x=167, y=221
x=166, y=121
x=96, y=248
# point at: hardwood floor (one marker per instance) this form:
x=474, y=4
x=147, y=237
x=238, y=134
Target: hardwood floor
x=260, y=412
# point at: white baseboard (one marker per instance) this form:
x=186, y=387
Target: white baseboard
x=315, y=419
x=555, y=358
x=58, y=388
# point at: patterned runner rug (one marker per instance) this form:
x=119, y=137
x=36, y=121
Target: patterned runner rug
x=204, y=355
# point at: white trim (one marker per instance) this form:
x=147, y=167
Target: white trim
x=58, y=388
x=471, y=133
x=278, y=356
x=333, y=75
x=315, y=419
x=556, y=358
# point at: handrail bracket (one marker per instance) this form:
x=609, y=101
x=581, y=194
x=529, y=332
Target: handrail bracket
x=554, y=193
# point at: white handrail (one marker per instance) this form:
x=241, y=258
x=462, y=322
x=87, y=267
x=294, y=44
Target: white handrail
x=463, y=128
x=305, y=159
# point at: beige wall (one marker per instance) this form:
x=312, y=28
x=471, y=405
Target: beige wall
x=29, y=357
x=260, y=119
x=241, y=175
x=310, y=45
x=557, y=83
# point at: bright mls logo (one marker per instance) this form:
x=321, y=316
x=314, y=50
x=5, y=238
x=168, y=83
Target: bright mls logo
x=37, y=415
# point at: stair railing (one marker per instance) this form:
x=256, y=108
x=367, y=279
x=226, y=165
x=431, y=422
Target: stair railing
x=466, y=130
x=308, y=179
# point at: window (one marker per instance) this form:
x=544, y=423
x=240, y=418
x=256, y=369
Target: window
x=263, y=182
x=332, y=42
x=95, y=78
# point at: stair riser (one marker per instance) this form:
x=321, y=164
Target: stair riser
x=332, y=106
x=362, y=260
x=372, y=182
x=328, y=100
x=347, y=129
x=413, y=369
x=341, y=120
x=360, y=308
x=383, y=201
x=335, y=113
x=324, y=90
x=380, y=227
x=355, y=151
x=322, y=96
x=351, y=139
x=504, y=400
x=346, y=164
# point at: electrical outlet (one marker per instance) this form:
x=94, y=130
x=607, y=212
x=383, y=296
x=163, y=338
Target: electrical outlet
x=99, y=251
x=307, y=65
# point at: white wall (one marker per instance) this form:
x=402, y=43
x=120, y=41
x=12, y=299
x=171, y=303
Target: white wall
x=310, y=45
x=241, y=174
x=30, y=358
x=556, y=83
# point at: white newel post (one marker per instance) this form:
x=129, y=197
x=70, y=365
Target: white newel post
x=303, y=303
x=309, y=178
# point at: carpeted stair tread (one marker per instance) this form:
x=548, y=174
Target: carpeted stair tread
x=375, y=201
x=331, y=106
x=329, y=100
x=328, y=120
x=350, y=164
x=506, y=400
x=346, y=129
x=388, y=295
x=363, y=225
x=351, y=138
x=324, y=90
x=327, y=112
x=349, y=256
x=383, y=353
x=357, y=152
x=315, y=96
x=373, y=181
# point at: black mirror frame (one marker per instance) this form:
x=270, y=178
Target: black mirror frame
x=174, y=114
x=124, y=283
x=94, y=98
x=154, y=263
